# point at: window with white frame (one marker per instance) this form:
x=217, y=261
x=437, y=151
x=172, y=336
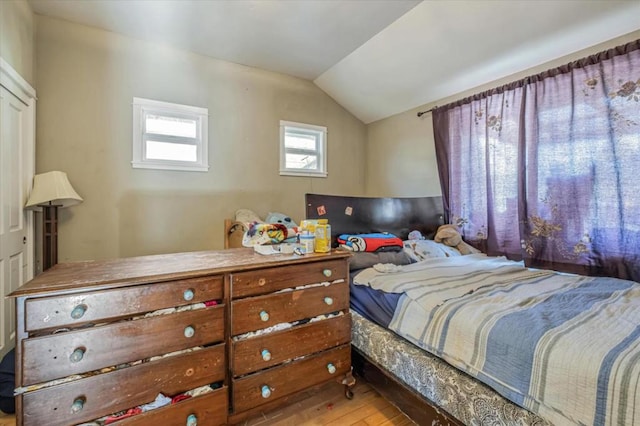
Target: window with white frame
x=303, y=149
x=169, y=136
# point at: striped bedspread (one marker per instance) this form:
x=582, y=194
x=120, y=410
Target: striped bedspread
x=565, y=347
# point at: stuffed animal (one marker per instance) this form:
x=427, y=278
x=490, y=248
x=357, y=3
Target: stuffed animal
x=282, y=219
x=415, y=235
x=449, y=235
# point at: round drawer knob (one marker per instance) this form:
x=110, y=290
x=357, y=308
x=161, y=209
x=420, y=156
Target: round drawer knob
x=189, y=331
x=192, y=420
x=188, y=294
x=264, y=316
x=328, y=300
x=77, y=405
x=266, y=391
x=262, y=281
x=77, y=355
x=266, y=355
x=327, y=273
x=331, y=368
x=78, y=311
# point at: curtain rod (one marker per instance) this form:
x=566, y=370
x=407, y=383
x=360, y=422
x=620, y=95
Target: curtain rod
x=563, y=69
x=421, y=113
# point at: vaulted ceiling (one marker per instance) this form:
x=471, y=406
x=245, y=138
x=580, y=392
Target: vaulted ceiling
x=374, y=57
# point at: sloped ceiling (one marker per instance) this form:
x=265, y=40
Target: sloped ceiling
x=375, y=57
x=300, y=38
x=441, y=48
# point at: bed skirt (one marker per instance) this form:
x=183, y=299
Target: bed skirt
x=463, y=397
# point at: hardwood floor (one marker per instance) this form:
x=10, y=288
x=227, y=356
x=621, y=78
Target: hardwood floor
x=325, y=407
x=7, y=420
x=328, y=406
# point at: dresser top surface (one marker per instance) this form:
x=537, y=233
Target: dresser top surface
x=115, y=273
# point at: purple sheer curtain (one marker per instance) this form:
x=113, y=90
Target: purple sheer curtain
x=545, y=168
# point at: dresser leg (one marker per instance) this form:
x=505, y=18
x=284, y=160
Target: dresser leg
x=348, y=381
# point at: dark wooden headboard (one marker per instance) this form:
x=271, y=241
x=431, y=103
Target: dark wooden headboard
x=354, y=215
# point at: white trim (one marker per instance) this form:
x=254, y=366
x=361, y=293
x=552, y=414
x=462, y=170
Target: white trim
x=29, y=171
x=321, y=151
x=139, y=160
x=170, y=107
x=303, y=126
x=168, y=166
x=289, y=172
x=13, y=82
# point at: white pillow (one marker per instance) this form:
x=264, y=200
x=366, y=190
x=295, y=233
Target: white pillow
x=420, y=250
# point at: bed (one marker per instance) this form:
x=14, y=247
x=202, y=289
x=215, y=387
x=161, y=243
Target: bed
x=596, y=385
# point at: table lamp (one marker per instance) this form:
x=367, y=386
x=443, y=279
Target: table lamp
x=50, y=191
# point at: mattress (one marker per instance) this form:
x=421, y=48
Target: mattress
x=375, y=305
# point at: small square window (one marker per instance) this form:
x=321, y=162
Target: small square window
x=169, y=136
x=303, y=149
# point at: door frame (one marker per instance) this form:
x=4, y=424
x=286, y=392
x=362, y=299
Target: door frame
x=11, y=80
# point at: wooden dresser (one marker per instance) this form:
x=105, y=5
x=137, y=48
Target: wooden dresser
x=226, y=334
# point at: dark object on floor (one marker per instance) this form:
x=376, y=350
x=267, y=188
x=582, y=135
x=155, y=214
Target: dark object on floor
x=8, y=382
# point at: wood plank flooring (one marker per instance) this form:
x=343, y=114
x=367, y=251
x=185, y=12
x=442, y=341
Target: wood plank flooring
x=7, y=420
x=326, y=406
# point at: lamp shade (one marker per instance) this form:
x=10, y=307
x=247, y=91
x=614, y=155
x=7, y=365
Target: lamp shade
x=52, y=188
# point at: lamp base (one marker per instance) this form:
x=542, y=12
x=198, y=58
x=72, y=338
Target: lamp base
x=49, y=236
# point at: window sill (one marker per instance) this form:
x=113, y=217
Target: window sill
x=303, y=174
x=176, y=167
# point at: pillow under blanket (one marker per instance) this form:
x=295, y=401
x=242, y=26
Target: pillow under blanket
x=361, y=260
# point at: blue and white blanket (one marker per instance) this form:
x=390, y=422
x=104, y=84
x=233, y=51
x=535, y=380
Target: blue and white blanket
x=565, y=347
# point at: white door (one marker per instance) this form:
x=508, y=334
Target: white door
x=16, y=140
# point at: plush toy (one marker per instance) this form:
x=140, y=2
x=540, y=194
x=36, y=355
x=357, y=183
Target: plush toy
x=415, y=235
x=280, y=218
x=449, y=235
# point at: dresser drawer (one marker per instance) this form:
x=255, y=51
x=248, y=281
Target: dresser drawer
x=49, y=357
x=273, y=279
x=289, y=378
x=68, y=311
x=207, y=410
x=258, y=353
x=260, y=312
x=118, y=390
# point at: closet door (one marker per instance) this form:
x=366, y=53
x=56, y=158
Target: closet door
x=12, y=227
x=14, y=260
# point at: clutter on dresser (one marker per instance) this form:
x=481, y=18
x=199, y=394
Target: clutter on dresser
x=278, y=233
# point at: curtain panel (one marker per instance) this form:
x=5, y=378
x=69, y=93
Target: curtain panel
x=547, y=169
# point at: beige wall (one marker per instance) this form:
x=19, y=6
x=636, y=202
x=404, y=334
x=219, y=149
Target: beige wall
x=401, y=159
x=87, y=79
x=17, y=37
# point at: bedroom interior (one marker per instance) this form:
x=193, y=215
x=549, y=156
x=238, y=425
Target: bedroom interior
x=413, y=141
